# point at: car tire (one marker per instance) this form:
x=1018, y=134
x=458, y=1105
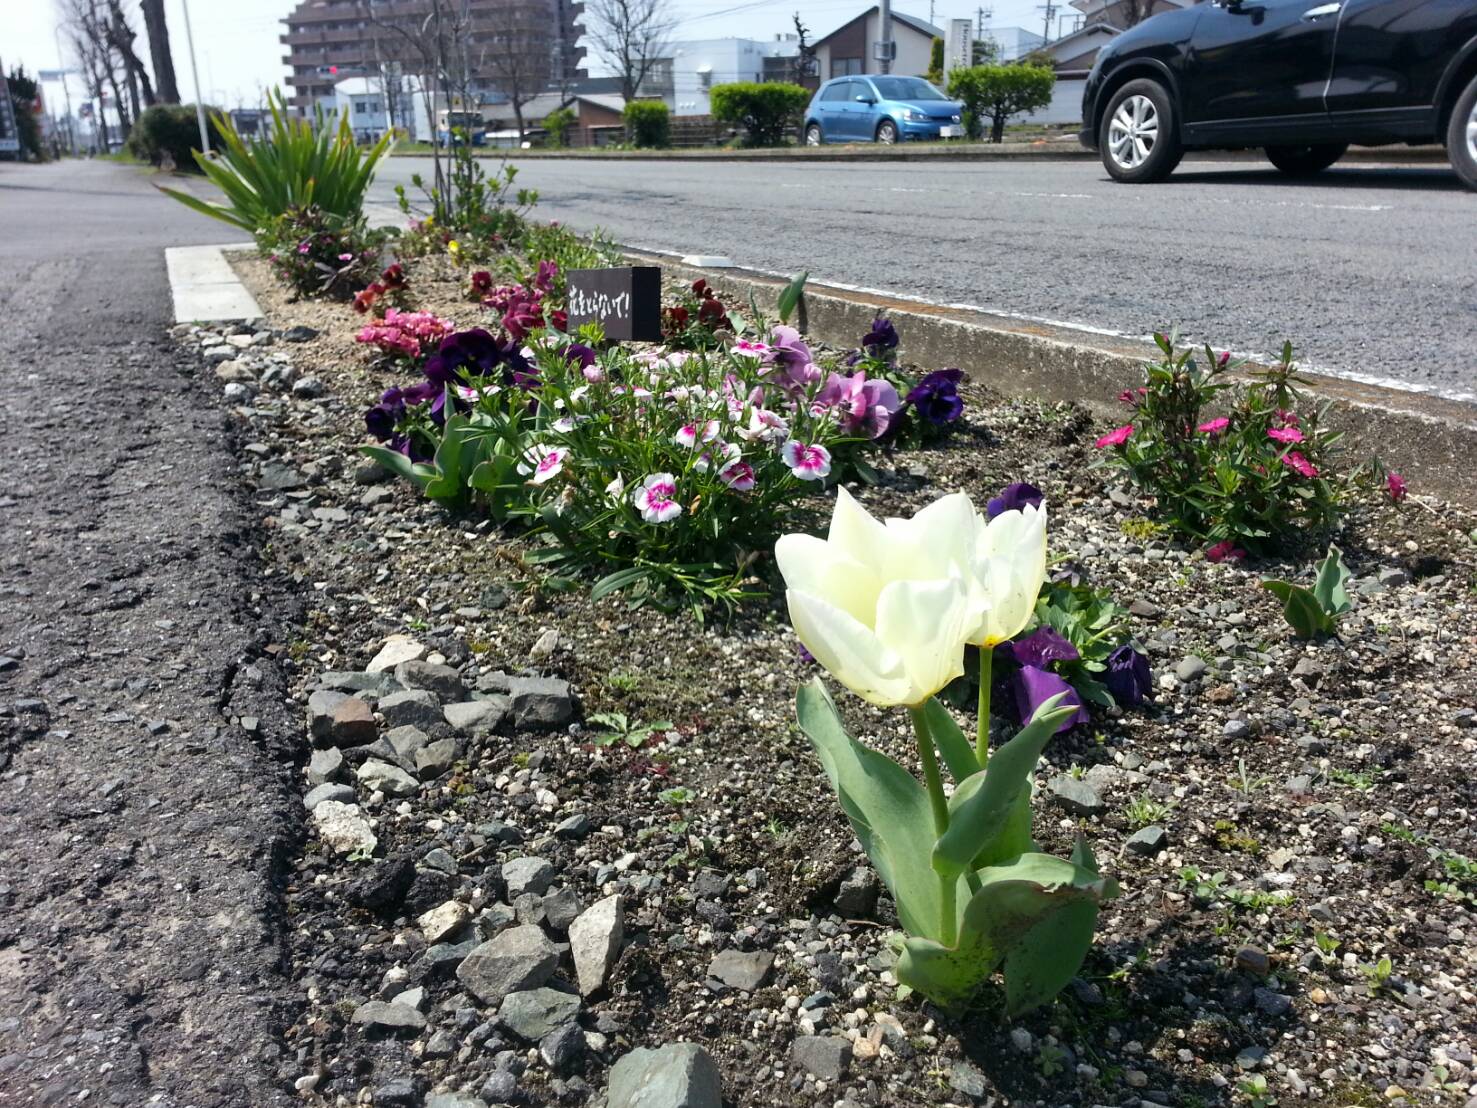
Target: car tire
x=1305, y=161
x=813, y=135
x=887, y=132
x=1139, y=134
x=1461, y=135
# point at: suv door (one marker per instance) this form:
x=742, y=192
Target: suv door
x=1258, y=70
x=1390, y=58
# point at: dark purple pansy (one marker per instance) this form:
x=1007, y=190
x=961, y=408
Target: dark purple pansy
x=937, y=398
x=1034, y=687
x=477, y=353
x=1013, y=498
x=882, y=336
x=1042, y=647
x=580, y=355
x=1128, y=677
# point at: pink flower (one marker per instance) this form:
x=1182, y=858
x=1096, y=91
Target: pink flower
x=346, y=257
x=544, y=462
x=1303, y=467
x=1288, y=419
x=863, y=405
x=737, y=475
x=1116, y=437
x=593, y=374
x=1287, y=435
x=808, y=463
x=1214, y=426
x=750, y=348
x=765, y=426
x=1395, y=484
x=1226, y=551
x=690, y=435
x=656, y=498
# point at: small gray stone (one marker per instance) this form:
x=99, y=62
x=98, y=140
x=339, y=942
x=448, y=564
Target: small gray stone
x=1190, y=669
x=1392, y=577
x=562, y=1048
x=375, y=685
x=329, y=790
x=967, y=1079
x=745, y=970
x=527, y=875
x=540, y=701
x=326, y=765
x=1273, y=1003
x=407, y=742
x=309, y=388
x=1147, y=841
x=561, y=908
x=352, y=723
x=388, y=779
x=411, y=708
x=320, y=711
x=396, y=649
x=575, y=827
x=857, y=896
x=1074, y=796
x=299, y=333
x=1254, y=961
x=434, y=760
x=595, y=939
x=534, y=1013
x=1145, y=609
x=1236, y=729
x=517, y=959
x=442, y=680
x=388, y=1017
x=679, y=1075
x=276, y=477
x=448, y=1100
x=501, y=1087
x=824, y=1057
x=477, y=717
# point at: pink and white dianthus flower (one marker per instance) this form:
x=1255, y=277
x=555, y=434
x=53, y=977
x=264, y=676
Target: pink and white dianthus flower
x=544, y=462
x=656, y=498
x=694, y=433
x=765, y=426
x=737, y=475
x=808, y=462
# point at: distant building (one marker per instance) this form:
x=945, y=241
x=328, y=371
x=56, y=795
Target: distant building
x=684, y=78
x=1013, y=43
x=852, y=47
x=331, y=40
x=374, y=105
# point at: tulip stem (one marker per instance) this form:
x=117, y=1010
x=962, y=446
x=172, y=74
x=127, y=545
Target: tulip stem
x=948, y=911
x=982, y=728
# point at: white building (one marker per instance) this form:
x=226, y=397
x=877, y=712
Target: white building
x=1012, y=43
x=694, y=66
x=366, y=103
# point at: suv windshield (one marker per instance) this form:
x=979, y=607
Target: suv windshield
x=906, y=88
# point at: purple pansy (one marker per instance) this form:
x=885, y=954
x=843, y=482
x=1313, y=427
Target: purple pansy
x=477, y=353
x=1015, y=497
x=882, y=336
x=1042, y=647
x=1034, y=687
x=1128, y=677
x=937, y=398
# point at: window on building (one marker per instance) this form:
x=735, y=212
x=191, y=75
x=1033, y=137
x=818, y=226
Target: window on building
x=842, y=67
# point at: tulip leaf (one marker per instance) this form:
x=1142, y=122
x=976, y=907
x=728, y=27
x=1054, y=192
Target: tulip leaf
x=1330, y=590
x=1036, y=916
x=980, y=814
x=398, y=464
x=789, y=298
x=886, y=806
x=957, y=753
x=1301, y=609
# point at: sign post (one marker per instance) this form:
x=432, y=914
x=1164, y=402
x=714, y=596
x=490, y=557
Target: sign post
x=958, y=46
x=10, y=136
x=626, y=301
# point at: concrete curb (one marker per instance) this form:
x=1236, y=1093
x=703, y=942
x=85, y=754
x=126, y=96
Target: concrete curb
x=1429, y=439
x=204, y=288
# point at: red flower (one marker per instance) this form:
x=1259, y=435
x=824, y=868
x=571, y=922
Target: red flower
x=1226, y=551
x=482, y=282
x=365, y=299
x=1116, y=437
x=1395, y=484
x=710, y=313
x=559, y=319
x=1303, y=467
x=393, y=277
x=1285, y=434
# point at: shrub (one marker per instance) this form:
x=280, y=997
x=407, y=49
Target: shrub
x=172, y=130
x=297, y=165
x=997, y=92
x=316, y=253
x=557, y=123
x=1262, y=476
x=472, y=217
x=648, y=123
x=766, y=111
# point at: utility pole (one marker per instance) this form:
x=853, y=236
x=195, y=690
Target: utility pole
x=61, y=62
x=1050, y=9
x=884, y=33
x=195, y=73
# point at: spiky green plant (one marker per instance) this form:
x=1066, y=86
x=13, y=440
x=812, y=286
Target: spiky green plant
x=298, y=163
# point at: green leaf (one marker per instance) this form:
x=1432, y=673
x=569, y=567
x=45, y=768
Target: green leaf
x=789, y=298
x=979, y=815
x=1301, y=609
x=398, y=464
x=618, y=580
x=1035, y=915
x=1330, y=589
x=956, y=750
x=886, y=806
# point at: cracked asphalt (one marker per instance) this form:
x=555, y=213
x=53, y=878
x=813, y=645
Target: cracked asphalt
x=1371, y=271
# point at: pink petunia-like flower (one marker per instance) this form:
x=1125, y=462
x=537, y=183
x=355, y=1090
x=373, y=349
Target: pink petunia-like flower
x=860, y=404
x=1395, y=485
x=1214, y=426
x=1287, y=435
x=1301, y=465
x=656, y=498
x=737, y=475
x=807, y=462
x=1116, y=437
x=1226, y=551
x=750, y=348
x=543, y=462
x=693, y=434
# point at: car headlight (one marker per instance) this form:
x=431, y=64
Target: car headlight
x=956, y=119
x=910, y=114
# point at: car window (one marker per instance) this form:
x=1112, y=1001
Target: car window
x=835, y=92
x=862, y=88
x=906, y=88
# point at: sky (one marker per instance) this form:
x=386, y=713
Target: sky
x=239, y=55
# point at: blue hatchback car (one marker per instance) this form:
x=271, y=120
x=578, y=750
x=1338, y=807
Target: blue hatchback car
x=880, y=109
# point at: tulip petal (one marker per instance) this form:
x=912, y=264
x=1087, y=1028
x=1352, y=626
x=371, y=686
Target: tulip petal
x=858, y=533
x=823, y=570
x=923, y=621
x=936, y=542
x=849, y=650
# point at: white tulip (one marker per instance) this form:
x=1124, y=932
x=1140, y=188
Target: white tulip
x=1005, y=574
x=882, y=606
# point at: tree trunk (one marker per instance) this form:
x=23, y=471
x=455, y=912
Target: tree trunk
x=162, y=60
x=997, y=128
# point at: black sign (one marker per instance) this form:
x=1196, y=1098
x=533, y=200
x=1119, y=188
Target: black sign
x=627, y=302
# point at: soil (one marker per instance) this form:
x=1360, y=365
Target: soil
x=1309, y=792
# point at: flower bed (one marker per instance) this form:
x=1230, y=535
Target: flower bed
x=1288, y=820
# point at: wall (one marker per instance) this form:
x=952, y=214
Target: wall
x=1065, y=106
x=855, y=40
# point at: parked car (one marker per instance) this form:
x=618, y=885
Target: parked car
x=1305, y=79
x=880, y=109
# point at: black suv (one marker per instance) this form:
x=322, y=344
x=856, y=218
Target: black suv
x=1303, y=78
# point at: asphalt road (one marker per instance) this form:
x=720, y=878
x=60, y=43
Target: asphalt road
x=1370, y=271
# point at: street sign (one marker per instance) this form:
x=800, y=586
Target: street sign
x=958, y=46
x=626, y=301
x=10, y=142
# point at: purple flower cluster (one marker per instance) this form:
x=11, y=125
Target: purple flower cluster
x=936, y=398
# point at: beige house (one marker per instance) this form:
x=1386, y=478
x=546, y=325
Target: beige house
x=852, y=47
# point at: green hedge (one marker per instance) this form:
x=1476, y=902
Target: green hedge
x=997, y=92
x=765, y=111
x=171, y=128
x=648, y=123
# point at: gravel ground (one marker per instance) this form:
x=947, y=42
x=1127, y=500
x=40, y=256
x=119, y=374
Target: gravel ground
x=491, y=907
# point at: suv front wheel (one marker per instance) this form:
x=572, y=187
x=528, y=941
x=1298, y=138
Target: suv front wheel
x=1139, y=135
x=1461, y=136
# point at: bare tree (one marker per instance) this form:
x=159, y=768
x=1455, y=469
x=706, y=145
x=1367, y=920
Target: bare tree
x=632, y=36
x=87, y=26
x=159, y=53
x=121, y=37
x=519, y=57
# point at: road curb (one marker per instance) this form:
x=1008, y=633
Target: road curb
x=204, y=288
x=1430, y=439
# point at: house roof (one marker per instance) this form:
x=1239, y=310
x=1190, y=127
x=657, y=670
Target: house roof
x=1090, y=6
x=922, y=26
x=609, y=103
x=1075, y=43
